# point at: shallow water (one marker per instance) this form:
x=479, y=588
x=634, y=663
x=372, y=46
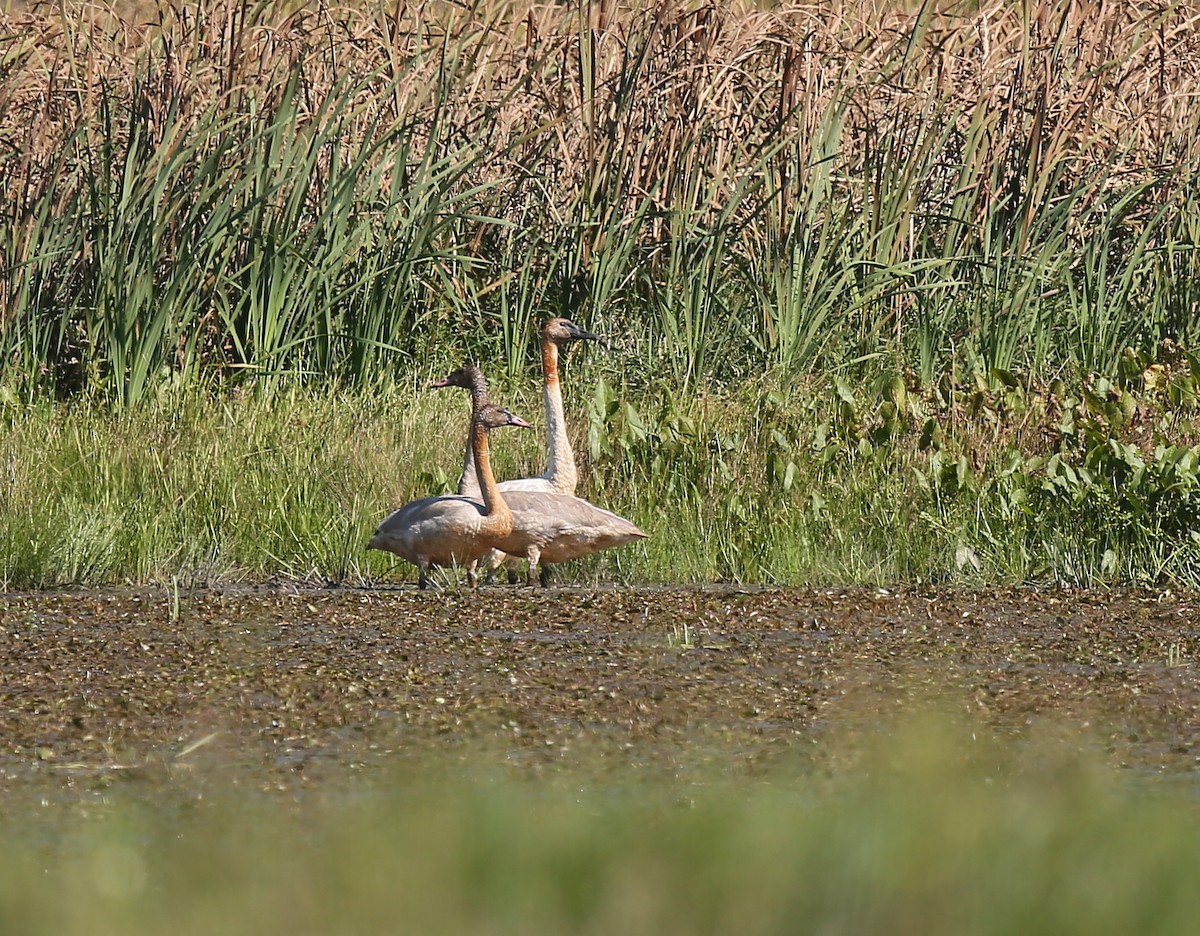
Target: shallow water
x=283, y=689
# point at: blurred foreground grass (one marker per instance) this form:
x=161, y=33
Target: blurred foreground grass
x=933, y=831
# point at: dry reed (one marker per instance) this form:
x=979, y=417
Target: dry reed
x=614, y=121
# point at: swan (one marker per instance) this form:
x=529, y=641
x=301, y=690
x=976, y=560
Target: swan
x=560, y=475
x=547, y=526
x=452, y=529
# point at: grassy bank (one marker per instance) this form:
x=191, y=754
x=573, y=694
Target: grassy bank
x=991, y=480
x=935, y=830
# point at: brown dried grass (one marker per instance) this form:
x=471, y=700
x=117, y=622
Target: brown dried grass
x=1056, y=79
x=602, y=123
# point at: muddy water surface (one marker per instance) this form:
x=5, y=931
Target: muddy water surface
x=282, y=688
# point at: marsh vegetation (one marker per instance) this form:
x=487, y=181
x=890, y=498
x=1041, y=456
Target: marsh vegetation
x=895, y=294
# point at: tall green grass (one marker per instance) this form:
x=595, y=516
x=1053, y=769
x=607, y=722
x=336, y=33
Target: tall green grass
x=801, y=483
x=263, y=191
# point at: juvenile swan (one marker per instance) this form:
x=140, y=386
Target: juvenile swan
x=452, y=529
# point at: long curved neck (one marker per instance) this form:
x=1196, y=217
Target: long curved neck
x=561, y=468
x=497, y=519
x=468, y=481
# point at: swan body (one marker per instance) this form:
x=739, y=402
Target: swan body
x=452, y=529
x=436, y=531
x=549, y=528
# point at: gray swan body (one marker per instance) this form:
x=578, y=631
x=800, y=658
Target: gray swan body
x=435, y=531
x=453, y=529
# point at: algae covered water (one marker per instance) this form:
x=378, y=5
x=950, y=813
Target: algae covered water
x=286, y=683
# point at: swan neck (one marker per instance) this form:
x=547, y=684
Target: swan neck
x=468, y=481
x=497, y=517
x=561, y=469
x=549, y=360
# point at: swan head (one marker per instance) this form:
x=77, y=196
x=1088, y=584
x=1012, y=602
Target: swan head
x=493, y=417
x=562, y=331
x=469, y=377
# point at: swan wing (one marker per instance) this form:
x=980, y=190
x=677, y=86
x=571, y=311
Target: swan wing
x=437, y=530
x=563, y=526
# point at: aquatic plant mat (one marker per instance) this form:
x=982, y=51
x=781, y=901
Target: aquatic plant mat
x=272, y=760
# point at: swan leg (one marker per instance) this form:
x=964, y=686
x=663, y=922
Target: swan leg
x=491, y=563
x=544, y=576
x=533, y=555
x=422, y=575
x=510, y=564
x=473, y=573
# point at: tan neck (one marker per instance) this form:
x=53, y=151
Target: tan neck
x=497, y=520
x=561, y=468
x=468, y=481
x=549, y=360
